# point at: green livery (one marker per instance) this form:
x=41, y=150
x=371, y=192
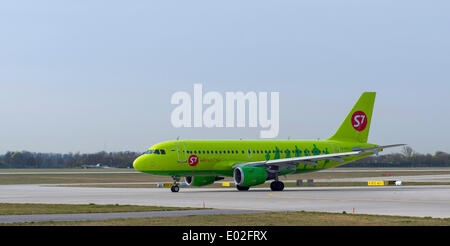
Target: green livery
x=252, y=162
x=216, y=157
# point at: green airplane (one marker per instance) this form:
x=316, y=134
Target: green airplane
x=253, y=162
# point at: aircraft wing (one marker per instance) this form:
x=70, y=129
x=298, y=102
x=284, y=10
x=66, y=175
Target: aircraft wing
x=291, y=163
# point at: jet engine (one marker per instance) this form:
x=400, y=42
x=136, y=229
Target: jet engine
x=249, y=176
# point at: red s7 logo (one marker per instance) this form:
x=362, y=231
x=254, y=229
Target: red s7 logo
x=193, y=160
x=359, y=120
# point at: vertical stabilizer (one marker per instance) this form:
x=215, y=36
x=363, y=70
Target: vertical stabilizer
x=356, y=125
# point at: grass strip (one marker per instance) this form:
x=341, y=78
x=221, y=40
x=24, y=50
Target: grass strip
x=35, y=208
x=267, y=219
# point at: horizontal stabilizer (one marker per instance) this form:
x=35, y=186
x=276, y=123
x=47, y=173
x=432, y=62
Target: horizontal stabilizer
x=376, y=149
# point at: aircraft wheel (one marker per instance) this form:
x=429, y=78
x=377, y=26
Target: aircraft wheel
x=277, y=186
x=175, y=188
x=242, y=188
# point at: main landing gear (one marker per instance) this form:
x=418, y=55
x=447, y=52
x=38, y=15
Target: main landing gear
x=274, y=186
x=242, y=188
x=277, y=185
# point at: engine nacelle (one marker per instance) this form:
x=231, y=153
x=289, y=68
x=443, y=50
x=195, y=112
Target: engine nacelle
x=249, y=176
x=201, y=180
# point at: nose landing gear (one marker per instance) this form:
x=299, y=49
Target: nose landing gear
x=175, y=187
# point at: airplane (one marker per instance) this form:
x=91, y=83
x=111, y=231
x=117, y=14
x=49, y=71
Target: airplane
x=253, y=162
x=98, y=165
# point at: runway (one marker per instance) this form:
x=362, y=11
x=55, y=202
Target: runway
x=421, y=201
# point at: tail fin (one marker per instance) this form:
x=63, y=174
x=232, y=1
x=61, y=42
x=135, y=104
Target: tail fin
x=356, y=125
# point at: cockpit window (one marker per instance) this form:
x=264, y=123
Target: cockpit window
x=155, y=151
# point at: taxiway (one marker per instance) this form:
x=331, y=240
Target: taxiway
x=422, y=201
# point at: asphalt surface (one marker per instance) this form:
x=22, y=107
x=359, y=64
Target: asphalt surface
x=438, y=178
x=419, y=201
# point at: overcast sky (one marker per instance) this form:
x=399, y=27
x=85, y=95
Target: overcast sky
x=99, y=75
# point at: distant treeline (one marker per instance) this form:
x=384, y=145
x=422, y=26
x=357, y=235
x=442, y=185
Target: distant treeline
x=25, y=159
x=439, y=159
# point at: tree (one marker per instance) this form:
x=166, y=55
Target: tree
x=407, y=151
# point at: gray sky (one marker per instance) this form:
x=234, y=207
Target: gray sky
x=98, y=75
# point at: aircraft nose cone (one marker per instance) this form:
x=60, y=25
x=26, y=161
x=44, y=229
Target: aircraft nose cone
x=138, y=164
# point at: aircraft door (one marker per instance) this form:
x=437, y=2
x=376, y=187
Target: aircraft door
x=181, y=152
x=249, y=153
x=336, y=148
